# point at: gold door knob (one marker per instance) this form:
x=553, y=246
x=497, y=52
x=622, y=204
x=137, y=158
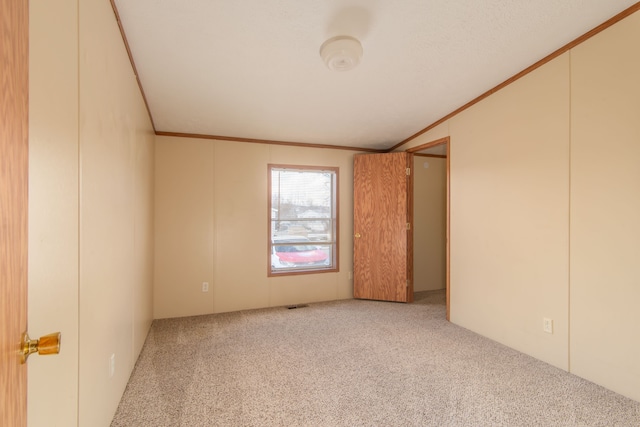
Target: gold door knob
x=48, y=344
x=357, y=235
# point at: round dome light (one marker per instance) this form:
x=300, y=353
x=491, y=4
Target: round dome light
x=341, y=53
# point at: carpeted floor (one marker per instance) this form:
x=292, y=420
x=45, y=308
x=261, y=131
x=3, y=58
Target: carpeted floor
x=351, y=363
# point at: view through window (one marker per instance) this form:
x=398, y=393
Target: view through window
x=303, y=220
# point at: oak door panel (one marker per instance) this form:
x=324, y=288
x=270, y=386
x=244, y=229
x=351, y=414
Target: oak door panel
x=380, y=270
x=14, y=151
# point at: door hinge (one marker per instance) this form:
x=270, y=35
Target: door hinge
x=408, y=226
x=408, y=171
x=407, y=284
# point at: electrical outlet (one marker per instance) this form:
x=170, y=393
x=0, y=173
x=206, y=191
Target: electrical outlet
x=547, y=325
x=205, y=286
x=112, y=365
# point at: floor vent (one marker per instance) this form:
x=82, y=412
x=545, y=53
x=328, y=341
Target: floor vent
x=291, y=307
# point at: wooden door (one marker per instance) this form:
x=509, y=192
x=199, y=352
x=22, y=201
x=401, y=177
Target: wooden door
x=14, y=151
x=382, y=243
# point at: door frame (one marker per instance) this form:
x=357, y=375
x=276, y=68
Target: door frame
x=413, y=150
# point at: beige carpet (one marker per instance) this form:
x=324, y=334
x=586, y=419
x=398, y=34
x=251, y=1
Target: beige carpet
x=351, y=363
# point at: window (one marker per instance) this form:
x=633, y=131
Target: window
x=303, y=219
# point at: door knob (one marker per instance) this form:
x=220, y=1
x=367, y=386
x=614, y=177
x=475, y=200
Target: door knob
x=357, y=235
x=48, y=344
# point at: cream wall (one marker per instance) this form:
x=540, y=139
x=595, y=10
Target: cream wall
x=116, y=214
x=544, y=211
x=53, y=209
x=509, y=214
x=605, y=208
x=184, y=227
x=91, y=218
x=211, y=226
x=429, y=223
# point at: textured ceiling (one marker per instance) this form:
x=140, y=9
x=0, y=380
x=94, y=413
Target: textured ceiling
x=252, y=69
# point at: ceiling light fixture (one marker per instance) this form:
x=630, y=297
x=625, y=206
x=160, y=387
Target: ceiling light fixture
x=341, y=53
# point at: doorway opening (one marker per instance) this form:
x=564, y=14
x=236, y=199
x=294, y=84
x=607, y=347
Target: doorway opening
x=431, y=220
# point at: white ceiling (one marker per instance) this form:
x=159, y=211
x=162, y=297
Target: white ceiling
x=252, y=68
